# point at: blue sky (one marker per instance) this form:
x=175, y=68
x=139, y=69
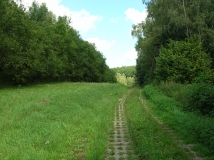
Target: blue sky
x=107, y=23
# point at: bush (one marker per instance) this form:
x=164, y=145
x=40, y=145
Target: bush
x=123, y=79
x=201, y=98
x=193, y=97
x=184, y=62
x=175, y=90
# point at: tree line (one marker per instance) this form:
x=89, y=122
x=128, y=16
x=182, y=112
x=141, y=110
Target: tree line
x=175, y=46
x=37, y=46
x=129, y=71
x=125, y=75
x=176, y=42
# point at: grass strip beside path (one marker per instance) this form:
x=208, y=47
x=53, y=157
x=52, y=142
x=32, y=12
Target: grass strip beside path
x=151, y=141
x=188, y=126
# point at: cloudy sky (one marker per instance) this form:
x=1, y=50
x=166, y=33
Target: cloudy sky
x=107, y=23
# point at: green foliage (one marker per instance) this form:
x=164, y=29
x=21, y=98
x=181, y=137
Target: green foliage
x=145, y=62
x=125, y=75
x=182, y=61
x=37, y=46
x=201, y=98
x=15, y=33
x=128, y=81
x=129, y=71
x=175, y=20
x=57, y=121
x=193, y=97
x=174, y=90
x=192, y=127
x=206, y=76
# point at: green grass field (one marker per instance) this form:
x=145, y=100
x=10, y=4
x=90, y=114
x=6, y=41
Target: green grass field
x=57, y=121
x=69, y=121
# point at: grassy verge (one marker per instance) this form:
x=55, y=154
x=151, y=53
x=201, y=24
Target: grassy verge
x=192, y=128
x=57, y=121
x=150, y=140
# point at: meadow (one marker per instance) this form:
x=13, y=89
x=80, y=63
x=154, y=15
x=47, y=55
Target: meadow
x=57, y=121
x=69, y=121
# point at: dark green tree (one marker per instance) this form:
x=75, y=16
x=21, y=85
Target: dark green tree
x=182, y=61
x=15, y=60
x=37, y=46
x=171, y=20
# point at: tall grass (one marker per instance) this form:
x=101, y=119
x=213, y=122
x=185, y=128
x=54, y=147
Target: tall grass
x=174, y=90
x=150, y=140
x=191, y=127
x=57, y=121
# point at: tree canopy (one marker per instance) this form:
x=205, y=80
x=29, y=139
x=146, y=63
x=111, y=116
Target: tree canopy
x=168, y=22
x=38, y=46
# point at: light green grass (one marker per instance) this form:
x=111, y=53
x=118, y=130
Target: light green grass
x=57, y=121
x=189, y=126
x=150, y=141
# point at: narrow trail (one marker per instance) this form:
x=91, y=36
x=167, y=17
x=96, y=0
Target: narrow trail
x=186, y=147
x=119, y=146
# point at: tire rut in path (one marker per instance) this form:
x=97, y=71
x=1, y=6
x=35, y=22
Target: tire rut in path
x=119, y=145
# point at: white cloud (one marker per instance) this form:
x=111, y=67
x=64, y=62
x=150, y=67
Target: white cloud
x=130, y=55
x=116, y=20
x=126, y=59
x=129, y=58
x=102, y=45
x=135, y=16
x=81, y=20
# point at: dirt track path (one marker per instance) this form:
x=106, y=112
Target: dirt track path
x=119, y=147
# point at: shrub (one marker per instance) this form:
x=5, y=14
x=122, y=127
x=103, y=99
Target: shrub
x=123, y=79
x=206, y=76
x=175, y=90
x=183, y=61
x=201, y=98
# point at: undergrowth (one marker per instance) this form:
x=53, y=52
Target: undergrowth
x=193, y=128
x=198, y=98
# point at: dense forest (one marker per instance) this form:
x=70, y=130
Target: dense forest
x=176, y=42
x=175, y=46
x=37, y=46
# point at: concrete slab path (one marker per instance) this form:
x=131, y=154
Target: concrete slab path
x=120, y=144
